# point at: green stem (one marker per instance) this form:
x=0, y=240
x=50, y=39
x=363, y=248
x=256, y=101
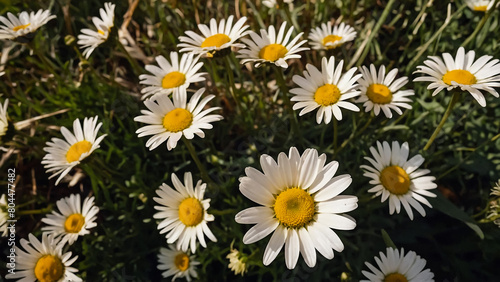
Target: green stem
x=354, y=134
x=335, y=133
x=203, y=171
x=135, y=67
x=479, y=26
x=40, y=211
x=453, y=101
x=232, y=87
x=284, y=90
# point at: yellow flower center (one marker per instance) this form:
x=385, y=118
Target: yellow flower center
x=177, y=120
x=327, y=95
x=395, y=277
x=173, y=79
x=190, y=212
x=181, y=261
x=459, y=76
x=16, y=28
x=74, y=223
x=273, y=52
x=294, y=207
x=331, y=39
x=482, y=8
x=215, y=40
x=379, y=93
x=49, y=268
x=395, y=179
x=76, y=150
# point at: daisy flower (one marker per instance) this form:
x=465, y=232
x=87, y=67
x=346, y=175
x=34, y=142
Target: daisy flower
x=480, y=5
x=63, y=155
x=272, y=48
x=4, y=123
x=327, y=90
x=237, y=263
x=184, y=213
x=177, y=263
x=90, y=39
x=396, y=266
x=73, y=220
x=4, y=216
x=15, y=28
x=170, y=76
x=169, y=121
x=43, y=261
x=379, y=91
x=399, y=179
x=299, y=203
x=274, y=4
x=462, y=73
x=329, y=37
x=214, y=38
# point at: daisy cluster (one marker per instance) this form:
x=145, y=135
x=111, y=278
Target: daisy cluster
x=301, y=200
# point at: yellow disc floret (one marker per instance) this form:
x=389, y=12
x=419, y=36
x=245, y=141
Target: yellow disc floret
x=76, y=150
x=49, y=268
x=482, y=8
x=379, y=93
x=74, y=223
x=216, y=40
x=395, y=277
x=395, y=179
x=173, y=79
x=191, y=211
x=294, y=207
x=16, y=28
x=459, y=76
x=273, y=52
x=330, y=40
x=181, y=261
x=177, y=120
x=327, y=95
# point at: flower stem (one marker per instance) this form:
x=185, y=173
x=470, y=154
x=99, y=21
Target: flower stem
x=135, y=67
x=284, y=89
x=203, y=171
x=335, y=133
x=453, y=101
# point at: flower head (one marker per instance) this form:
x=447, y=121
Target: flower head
x=17, y=28
x=480, y=5
x=328, y=90
x=299, y=203
x=396, y=267
x=72, y=220
x=272, y=48
x=381, y=91
x=177, y=263
x=329, y=37
x=398, y=179
x=183, y=211
x=90, y=39
x=236, y=262
x=63, y=155
x=462, y=73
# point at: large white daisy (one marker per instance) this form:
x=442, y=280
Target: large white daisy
x=183, y=211
x=72, y=220
x=17, y=27
x=381, y=92
x=4, y=216
x=43, y=261
x=169, y=121
x=90, y=39
x=300, y=203
x=170, y=76
x=327, y=90
x=328, y=37
x=214, y=38
x=177, y=263
x=463, y=73
x=4, y=123
x=63, y=155
x=270, y=47
x=480, y=5
x=398, y=267
x=398, y=179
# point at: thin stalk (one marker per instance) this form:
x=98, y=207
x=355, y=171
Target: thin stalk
x=232, y=87
x=480, y=25
x=355, y=134
x=135, y=67
x=453, y=101
x=40, y=211
x=203, y=171
x=335, y=133
x=284, y=90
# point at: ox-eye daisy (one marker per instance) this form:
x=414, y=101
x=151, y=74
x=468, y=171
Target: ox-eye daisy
x=328, y=37
x=184, y=213
x=43, y=261
x=73, y=220
x=214, y=38
x=63, y=155
x=480, y=5
x=381, y=92
x=399, y=179
x=170, y=76
x=271, y=47
x=463, y=72
x=90, y=39
x=398, y=267
x=20, y=28
x=327, y=90
x=169, y=121
x=177, y=263
x=237, y=262
x=300, y=203
x=4, y=123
